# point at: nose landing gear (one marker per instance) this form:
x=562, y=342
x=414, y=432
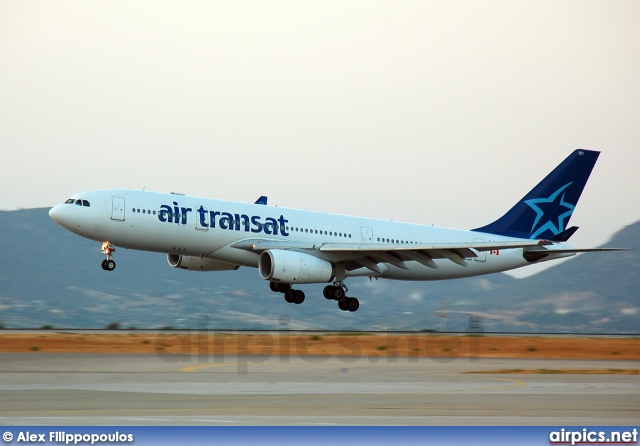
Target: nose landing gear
x=108, y=264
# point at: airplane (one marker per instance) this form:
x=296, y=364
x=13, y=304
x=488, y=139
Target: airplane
x=291, y=247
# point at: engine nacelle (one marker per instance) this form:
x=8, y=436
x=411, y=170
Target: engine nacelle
x=198, y=263
x=293, y=267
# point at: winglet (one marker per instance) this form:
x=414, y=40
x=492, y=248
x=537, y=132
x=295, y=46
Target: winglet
x=261, y=200
x=545, y=211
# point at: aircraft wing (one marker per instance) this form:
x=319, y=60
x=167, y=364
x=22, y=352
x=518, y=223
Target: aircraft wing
x=478, y=246
x=368, y=255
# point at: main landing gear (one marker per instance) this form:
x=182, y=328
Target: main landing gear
x=331, y=292
x=290, y=295
x=107, y=249
x=338, y=292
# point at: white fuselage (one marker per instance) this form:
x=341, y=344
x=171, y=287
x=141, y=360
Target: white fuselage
x=194, y=226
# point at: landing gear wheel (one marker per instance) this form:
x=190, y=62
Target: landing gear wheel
x=342, y=304
x=333, y=292
x=107, y=249
x=288, y=296
x=278, y=287
x=298, y=297
x=352, y=304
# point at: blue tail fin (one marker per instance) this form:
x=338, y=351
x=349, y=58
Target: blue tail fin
x=545, y=211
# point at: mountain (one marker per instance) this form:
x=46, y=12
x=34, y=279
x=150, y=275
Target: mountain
x=49, y=276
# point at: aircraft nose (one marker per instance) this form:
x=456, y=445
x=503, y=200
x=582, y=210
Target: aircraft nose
x=57, y=214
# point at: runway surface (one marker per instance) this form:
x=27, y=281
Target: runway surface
x=103, y=389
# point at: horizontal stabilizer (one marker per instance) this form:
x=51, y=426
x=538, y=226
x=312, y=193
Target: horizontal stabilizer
x=534, y=255
x=578, y=251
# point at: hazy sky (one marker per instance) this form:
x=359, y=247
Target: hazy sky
x=427, y=111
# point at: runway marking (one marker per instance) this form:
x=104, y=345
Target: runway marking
x=515, y=383
x=561, y=372
x=193, y=368
x=484, y=389
x=518, y=383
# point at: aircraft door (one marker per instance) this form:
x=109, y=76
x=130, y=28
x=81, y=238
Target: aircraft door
x=367, y=234
x=202, y=218
x=117, y=208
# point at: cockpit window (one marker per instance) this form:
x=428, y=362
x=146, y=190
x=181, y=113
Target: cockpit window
x=78, y=202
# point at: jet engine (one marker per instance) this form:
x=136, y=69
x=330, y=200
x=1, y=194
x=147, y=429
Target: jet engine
x=196, y=263
x=293, y=267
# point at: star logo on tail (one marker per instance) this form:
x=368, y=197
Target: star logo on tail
x=552, y=206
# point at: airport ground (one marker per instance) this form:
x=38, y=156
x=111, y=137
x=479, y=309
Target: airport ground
x=310, y=379
x=322, y=344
